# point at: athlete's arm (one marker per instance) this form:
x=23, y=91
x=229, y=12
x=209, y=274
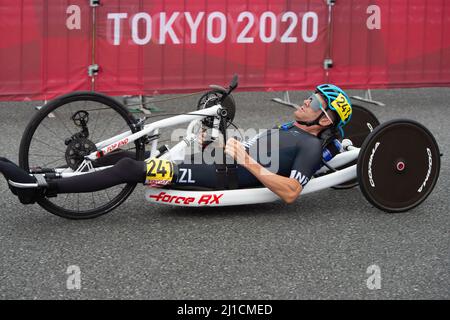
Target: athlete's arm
x=287, y=189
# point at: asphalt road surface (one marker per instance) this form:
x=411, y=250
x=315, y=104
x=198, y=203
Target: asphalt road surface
x=327, y=245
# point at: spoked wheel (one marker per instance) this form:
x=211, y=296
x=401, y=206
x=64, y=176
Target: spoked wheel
x=63, y=132
x=398, y=165
x=363, y=122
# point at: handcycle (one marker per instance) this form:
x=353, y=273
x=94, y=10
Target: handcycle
x=395, y=164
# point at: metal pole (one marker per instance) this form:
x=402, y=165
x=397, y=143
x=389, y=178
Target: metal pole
x=328, y=62
x=368, y=98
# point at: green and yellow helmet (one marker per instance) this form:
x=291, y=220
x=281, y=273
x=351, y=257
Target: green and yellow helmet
x=338, y=101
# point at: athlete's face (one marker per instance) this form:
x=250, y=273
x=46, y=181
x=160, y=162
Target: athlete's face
x=306, y=113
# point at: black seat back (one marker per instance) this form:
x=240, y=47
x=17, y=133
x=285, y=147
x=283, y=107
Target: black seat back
x=331, y=144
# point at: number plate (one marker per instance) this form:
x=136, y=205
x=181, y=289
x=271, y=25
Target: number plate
x=342, y=107
x=159, y=172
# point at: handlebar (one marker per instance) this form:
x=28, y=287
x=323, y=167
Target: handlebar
x=234, y=83
x=226, y=92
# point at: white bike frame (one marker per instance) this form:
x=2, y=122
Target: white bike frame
x=106, y=146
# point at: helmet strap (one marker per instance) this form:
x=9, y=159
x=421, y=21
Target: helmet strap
x=310, y=123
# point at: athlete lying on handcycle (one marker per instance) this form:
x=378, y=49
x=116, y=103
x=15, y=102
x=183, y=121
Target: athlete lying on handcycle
x=299, y=154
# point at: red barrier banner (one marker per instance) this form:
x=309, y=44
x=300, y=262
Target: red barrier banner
x=391, y=43
x=43, y=53
x=144, y=47
x=175, y=46
x=172, y=46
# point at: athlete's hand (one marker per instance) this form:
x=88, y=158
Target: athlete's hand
x=201, y=136
x=204, y=139
x=236, y=150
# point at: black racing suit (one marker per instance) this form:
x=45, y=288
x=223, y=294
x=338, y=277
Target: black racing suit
x=286, y=150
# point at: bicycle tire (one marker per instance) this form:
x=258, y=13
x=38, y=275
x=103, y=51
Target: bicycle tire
x=51, y=107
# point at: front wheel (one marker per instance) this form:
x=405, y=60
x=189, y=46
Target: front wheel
x=62, y=133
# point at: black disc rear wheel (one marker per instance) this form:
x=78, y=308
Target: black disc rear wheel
x=398, y=165
x=62, y=133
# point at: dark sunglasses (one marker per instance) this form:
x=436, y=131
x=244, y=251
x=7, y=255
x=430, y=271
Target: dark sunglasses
x=316, y=105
